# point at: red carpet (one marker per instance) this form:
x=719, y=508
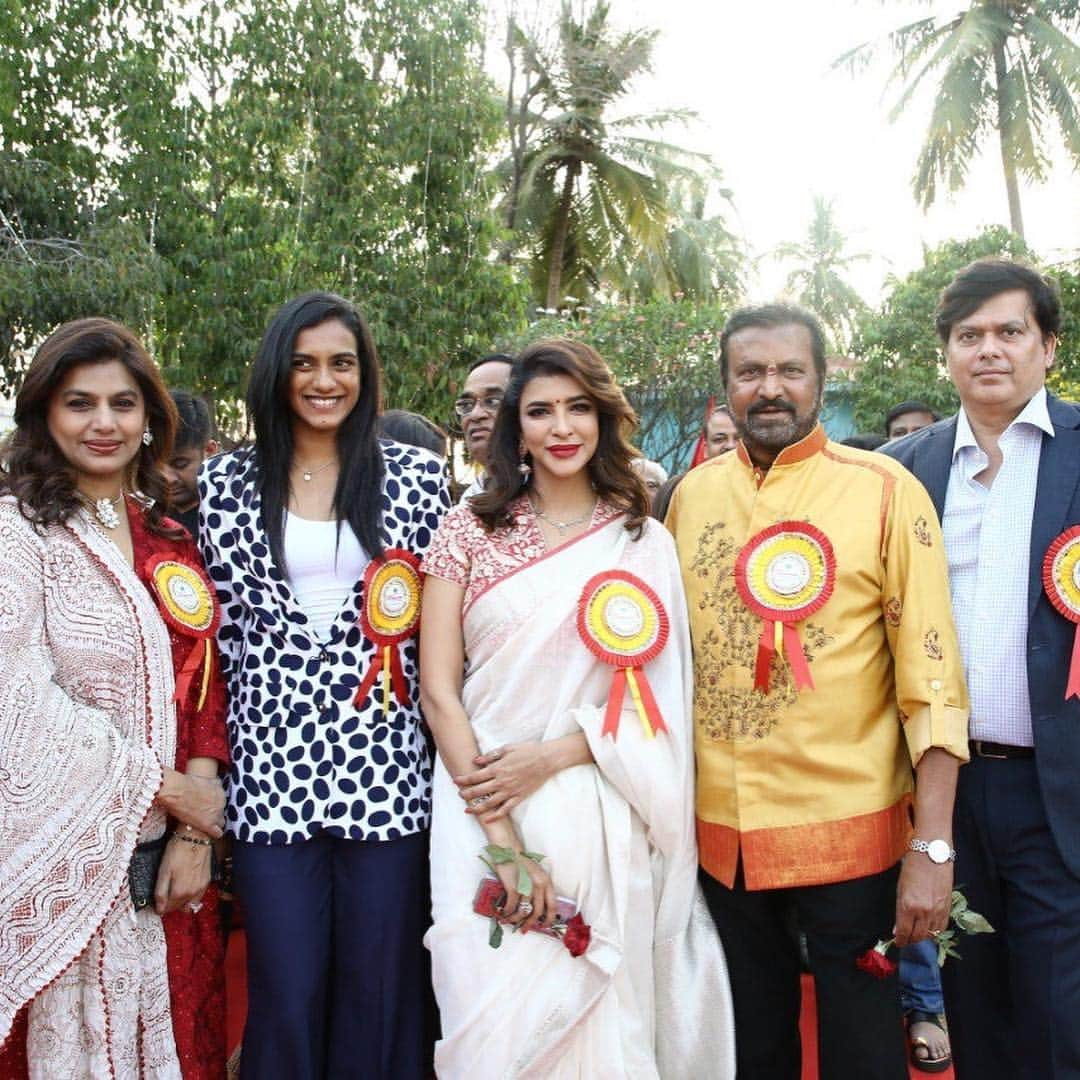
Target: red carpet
x=237, y=1000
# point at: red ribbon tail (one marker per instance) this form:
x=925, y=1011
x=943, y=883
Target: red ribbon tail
x=187, y=672
x=368, y=681
x=614, y=704
x=1073, y=689
x=652, y=710
x=765, y=650
x=797, y=658
x=397, y=675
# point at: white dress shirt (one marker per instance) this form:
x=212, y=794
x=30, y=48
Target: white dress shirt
x=988, y=542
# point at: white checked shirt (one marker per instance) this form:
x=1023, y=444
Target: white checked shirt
x=988, y=542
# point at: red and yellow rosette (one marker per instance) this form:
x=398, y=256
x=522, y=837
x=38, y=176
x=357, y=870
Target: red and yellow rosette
x=389, y=615
x=623, y=622
x=1061, y=579
x=189, y=605
x=784, y=574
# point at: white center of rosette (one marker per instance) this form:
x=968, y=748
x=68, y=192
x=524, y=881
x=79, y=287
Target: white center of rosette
x=394, y=598
x=623, y=617
x=1076, y=575
x=788, y=573
x=183, y=594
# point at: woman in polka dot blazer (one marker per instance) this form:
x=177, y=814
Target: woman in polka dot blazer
x=330, y=787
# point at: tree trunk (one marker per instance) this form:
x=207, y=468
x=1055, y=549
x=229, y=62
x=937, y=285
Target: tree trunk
x=1012, y=186
x=558, y=240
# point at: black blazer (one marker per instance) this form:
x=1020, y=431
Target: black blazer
x=1055, y=721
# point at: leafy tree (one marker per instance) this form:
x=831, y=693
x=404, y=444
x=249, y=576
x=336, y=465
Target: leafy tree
x=664, y=355
x=898, y=345
x=258, y=149
x=583, y=186
x=817, y=281
x=1010, y=66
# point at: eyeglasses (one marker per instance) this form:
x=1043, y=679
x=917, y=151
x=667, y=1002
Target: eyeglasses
x=467, y=404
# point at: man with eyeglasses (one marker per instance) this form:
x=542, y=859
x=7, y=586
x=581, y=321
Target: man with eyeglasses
x=826, y=666
x=476, y=407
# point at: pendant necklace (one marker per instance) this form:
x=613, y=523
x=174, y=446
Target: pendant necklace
x=307, y=474
x=104, y=509
x=562, y=526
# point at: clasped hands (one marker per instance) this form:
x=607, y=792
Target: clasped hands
x=503, y=779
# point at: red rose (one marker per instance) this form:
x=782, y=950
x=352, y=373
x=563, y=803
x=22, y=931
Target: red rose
x=489, y=898
x=875, y=962
x=577, y=935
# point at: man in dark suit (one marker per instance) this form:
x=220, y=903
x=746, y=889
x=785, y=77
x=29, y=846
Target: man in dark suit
x=1004, y=475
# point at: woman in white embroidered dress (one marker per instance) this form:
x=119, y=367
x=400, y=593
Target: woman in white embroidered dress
x=89, y=730
x=525, y=766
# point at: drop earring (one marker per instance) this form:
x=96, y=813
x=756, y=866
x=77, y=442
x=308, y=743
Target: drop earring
x=523, y=466
x=147, y=437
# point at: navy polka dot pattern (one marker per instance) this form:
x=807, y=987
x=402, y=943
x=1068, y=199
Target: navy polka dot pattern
x=304, y=760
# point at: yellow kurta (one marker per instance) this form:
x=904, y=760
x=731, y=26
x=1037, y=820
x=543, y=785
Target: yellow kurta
x=814, y=786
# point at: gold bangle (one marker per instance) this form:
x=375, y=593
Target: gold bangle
x=193, y=840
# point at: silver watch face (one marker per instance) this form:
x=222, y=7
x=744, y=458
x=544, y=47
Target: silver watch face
x=939, y=851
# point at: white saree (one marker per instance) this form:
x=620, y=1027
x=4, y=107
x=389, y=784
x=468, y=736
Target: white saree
x=650, y=997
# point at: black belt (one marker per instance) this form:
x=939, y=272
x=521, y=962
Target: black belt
x=985, y=749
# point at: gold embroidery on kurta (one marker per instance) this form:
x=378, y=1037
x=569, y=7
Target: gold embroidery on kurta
x=922, y=532
x=932, y=645
x=894, y=610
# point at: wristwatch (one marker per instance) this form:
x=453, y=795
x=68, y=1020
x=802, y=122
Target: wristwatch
x=937, y=851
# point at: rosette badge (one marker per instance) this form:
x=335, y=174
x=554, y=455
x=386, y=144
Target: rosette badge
x=1061, y=579
x=189, y=605
x=784, y=574
x=622, y=621
x=390, y=615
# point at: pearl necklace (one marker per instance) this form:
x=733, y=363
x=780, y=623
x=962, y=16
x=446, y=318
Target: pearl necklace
x=307, y=474
x=562, y=526
x=104, y=509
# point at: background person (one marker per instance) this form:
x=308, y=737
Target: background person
x=653, y=474
x=720, y=433
x=97, y=756
x=329, y=793
x=193, y=445
x=612, y=815
x=476, y=407
x=412, y=429
x=907, y=417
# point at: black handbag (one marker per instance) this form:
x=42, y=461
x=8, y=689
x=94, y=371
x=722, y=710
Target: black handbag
x=143, y=871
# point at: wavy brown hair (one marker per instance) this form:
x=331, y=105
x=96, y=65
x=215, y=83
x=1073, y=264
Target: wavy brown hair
x=36, y=472
x=609, y=469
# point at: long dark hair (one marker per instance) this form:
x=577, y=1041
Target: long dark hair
x=358, y=495
x=36, y=472
x=613, y=478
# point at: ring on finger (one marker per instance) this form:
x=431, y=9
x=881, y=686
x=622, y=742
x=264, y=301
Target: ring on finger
x=194, y=907
x=525, y=907
x=479, y=800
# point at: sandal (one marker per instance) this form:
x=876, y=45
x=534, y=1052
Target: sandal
x=917, y=1042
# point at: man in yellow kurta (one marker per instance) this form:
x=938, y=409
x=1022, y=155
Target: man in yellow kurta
x=826, y=667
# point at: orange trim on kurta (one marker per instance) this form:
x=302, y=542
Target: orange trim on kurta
x=816, y=854
x=805, y=448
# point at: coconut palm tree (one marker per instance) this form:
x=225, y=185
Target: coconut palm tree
x=1007, y=65
x=818, y=281
x=582, y=182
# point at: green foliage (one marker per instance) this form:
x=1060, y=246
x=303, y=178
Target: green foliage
x=1005, y=66
x=1064, y=377
x=899, y=348
x=664, y=355
x=817, y=280
x=251, y=151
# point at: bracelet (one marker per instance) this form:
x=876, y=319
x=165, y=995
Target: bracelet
x=193, y=840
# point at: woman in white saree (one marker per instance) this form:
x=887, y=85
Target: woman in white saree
x=522, y=741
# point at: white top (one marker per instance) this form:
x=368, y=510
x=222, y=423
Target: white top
x=322, y=568
x=475, y=488
x=988, y=542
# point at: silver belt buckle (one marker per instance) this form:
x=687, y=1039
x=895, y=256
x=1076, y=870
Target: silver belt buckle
x=978, y=744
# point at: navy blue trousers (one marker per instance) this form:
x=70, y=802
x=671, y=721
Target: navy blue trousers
x=1013, y=997
x=338, y=979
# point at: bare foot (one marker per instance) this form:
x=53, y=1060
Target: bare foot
x=929, y=1042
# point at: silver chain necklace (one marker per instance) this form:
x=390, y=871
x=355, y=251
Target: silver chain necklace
x=562, y=526
x=307, y=474
x=104, y=509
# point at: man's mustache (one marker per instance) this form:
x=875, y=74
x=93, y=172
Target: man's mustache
x=763, y=405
